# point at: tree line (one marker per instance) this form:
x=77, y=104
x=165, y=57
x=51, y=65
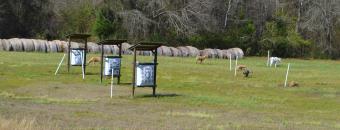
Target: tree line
x=289, y=28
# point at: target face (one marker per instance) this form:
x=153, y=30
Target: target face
x=77, y=57
x=112, y=63
x=145, y=75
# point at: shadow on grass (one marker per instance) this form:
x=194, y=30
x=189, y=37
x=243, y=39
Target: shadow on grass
x=91, y=73
x=158, y=95
x=125, y=83
x=78, y=73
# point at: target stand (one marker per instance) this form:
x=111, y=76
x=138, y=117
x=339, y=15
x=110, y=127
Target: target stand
x=145, y=74
x=109, y=63
x=77, y=56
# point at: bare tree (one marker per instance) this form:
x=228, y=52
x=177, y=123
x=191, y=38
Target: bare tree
x=321, y=18
x=227, y=13
x=185, y=17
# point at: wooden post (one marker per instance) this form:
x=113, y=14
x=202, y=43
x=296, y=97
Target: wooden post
x=268, y=58
x=287, y=75
x=134, y=72
x=230, y=62
x=111, y=82
x=120, y=64
x=82, y=63
x=69, y=54
x=85, y=52
x=101, y=64
x=155, y=74
x=236, y=65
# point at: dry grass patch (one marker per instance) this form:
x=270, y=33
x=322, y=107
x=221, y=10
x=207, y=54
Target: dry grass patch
x=191, y=114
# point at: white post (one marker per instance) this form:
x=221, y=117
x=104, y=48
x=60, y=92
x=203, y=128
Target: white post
x=268, y=58
x=60, y=64
x=82, y=65
x=230, y=62
x=287, y=75
x=111, y=82
x=236, y=65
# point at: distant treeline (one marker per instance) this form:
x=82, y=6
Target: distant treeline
x=289, y=28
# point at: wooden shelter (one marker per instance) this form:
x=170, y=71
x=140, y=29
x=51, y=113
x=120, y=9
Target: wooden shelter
x=110, y=42
x=145, y=46
x=71, y=37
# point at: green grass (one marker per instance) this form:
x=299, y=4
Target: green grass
x=191, y=96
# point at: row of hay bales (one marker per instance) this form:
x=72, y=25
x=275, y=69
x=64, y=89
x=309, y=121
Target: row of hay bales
x=36, y=45
x=186, y=51
x=182, y=51
x=223, y=54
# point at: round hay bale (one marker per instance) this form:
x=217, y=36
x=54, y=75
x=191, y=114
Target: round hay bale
x=184, y=51
x=219, y=53
x=238, y=52
x=206, y=52
x=233, y=52
x=125, y=49
x=7, y=45
x=28, y=45
x=48, y=47
x=36, y=44
x=166, y=51
x=64, y=46
x=139, y=53
x=193, y=51
x=211, y=53
x=225, y=54
x=108, y=49
x=39, y=45
x=45, y=46
x=230, y=54
x=175, y=51
x=159, y=51
x=75, y=45
x=52, y=46
x=93, y=47
x=146, y=53
x=16, y=44
x=115, y=49
x=58, y=45
x=202, y=52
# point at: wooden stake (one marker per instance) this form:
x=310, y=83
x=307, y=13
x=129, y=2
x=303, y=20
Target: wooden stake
x=134, y=72
x=101, y=63
x=111, y=83
x=82, y=65
x=230, y=62
x=236, y=66
x=268, y=59
x=60, y=64
x=287, y=75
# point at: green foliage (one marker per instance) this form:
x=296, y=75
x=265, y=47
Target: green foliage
x=78, y=19
x=24, y=18
x=107, y=25
x=241, y=35
x=282, y=40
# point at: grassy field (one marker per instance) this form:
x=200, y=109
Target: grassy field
x=190, y=96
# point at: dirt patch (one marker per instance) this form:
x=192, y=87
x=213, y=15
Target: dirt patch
x=66, y=91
